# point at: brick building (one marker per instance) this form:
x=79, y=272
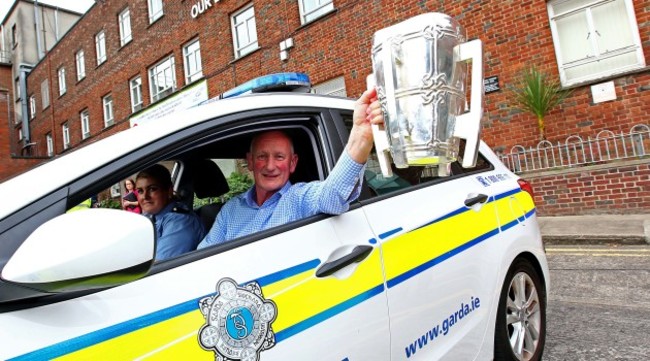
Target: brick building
x=125, y=61
x=21, y=47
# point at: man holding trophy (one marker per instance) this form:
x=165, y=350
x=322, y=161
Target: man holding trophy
x=273, y=200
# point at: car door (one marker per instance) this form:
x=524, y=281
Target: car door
x=437, y=244
x=309, y=290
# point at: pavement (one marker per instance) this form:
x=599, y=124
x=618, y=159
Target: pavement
x=596, y=229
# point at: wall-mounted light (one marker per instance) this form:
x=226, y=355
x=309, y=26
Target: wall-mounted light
x=285, y=45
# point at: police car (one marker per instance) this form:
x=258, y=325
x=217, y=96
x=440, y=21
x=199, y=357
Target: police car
x=421, y=267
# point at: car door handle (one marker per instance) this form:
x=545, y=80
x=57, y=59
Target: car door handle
x=481, y=198
x=358, y=254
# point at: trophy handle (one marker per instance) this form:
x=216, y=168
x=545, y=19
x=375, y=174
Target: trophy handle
x=381, y=140
x=468, y=125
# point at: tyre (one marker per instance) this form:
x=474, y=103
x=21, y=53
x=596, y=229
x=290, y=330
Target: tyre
x=520, y=329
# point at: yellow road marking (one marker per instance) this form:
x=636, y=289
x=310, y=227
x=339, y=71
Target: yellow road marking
x=606, y=255
x=569, y=250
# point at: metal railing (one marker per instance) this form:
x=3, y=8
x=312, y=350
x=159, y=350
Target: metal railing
x=576, y=151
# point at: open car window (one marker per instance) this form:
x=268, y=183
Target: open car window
x=405, y=178
x=208, y=172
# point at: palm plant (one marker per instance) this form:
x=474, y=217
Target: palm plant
x=537, y=93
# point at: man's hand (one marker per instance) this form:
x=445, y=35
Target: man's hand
x=367, y=111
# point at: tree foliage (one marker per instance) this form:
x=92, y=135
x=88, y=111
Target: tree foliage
x=237, y=182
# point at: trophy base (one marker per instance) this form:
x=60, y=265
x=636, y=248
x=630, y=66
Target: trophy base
x=430, y=161
x=423, y=155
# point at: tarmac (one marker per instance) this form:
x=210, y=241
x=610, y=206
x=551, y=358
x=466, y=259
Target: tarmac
x=621, y=229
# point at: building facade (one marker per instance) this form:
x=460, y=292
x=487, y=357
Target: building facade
x=126, y=61
x=22, y=46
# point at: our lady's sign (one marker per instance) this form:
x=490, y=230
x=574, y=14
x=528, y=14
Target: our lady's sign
x=200, y=7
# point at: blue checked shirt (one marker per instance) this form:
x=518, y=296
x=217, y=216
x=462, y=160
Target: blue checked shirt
x=242, y=216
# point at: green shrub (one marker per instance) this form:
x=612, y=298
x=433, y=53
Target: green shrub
x=237, y=182
x=110, y=203
x=537, y=93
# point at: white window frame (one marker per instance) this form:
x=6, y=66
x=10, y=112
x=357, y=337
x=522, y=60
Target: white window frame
x=192, y=61
x=100, y=47
x=155, y=10
x=50, y=144
x=124, y=19
x=334, y=87
x=45, y=93
x=65, y=129
x=107, y=105
x=62, y=85
x=84, y=117
x=80, y=60
x=311, y=10
x=166, y=71
x=20, y=134
x=596, y=56
x=135, y=86
x=244, y=28
x=32, y=107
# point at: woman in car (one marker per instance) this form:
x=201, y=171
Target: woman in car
x=178, y=229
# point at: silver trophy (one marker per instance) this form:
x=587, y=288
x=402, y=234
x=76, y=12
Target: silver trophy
x=420, y=71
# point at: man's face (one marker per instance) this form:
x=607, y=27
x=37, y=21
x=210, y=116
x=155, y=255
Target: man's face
x=151, y=195
x=272, y=161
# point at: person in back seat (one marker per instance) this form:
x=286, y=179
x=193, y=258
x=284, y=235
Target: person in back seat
x=273, y=200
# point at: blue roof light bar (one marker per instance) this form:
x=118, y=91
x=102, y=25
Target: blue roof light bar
x=272, y=82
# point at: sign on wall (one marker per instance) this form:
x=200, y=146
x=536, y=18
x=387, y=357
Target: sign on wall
x=491, y=84
x=180, y=101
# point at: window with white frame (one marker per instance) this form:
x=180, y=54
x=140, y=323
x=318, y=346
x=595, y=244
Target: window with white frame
x=45, y=93
x=81, y=64
x=244, y=31
x=313, y=9
x=100, y=47
x=108, y=110
x=50, y=144
x=192, y=60
x=595, y=39
x=124, y=19
x=116, y=190
x=335, y=87
x=136, y=93
x=20, y=133
x=162, y=79
x=61, y=75
x=32, y=107
x=155, y=10
x=84, y=116
x=66, y=135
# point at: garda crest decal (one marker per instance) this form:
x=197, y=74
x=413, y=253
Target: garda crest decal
x=237, y=322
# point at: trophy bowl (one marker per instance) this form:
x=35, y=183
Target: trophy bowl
x=420, y=70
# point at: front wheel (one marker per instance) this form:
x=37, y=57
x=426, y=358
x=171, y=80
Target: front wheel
x=520, y=329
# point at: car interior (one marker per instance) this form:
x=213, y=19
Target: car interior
x=197, y=173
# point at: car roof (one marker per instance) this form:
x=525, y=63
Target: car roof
x=48, y=177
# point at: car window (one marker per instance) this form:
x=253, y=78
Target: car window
x=208, y=173
x=404, y=178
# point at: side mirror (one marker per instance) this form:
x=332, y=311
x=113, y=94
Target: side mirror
x=83, y=250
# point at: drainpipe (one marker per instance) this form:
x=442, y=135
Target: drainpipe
x=23, y=70
x=56, y=24
x=37, y=23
